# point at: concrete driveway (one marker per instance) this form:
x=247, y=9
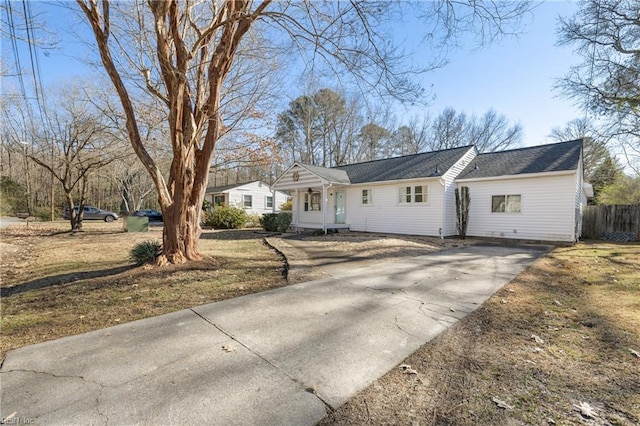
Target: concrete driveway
x=284, y=356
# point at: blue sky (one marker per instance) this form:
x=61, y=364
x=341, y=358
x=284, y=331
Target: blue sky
x=514, y=76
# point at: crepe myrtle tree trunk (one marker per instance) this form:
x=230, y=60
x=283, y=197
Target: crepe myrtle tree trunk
x=182, y=230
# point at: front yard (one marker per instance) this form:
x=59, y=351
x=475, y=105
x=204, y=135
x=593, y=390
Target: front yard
x=55, y=284
x=560, y=344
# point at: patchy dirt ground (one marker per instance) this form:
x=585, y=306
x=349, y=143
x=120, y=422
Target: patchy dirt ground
x=558, y=345
x=311, y=257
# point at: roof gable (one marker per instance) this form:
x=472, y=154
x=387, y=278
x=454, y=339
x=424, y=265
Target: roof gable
x=556, y=157
x=428, y=164
x=333, y=175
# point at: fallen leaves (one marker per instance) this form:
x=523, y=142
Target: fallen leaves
x=586, y=410
x=537, y=339
x=228, y=348
x=406, y=369
x=501, y=404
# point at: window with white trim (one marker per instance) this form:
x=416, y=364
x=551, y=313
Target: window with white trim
x=367, y=197
x=506, y=203
x=412, y=194
x=312, y=202
x=269, y=201
x=218, y=200
x=247, y=200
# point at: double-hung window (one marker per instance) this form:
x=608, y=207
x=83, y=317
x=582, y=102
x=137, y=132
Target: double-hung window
x=312, y=202
x=269, y=201
x=247, y=201
x=412, y=194
x=506, y=203
x=367, y=198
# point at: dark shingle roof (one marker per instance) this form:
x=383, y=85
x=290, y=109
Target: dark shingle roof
x=537, y=159
x=429, y=164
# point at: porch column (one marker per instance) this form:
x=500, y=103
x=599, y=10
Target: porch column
x=273, y=201
x=296, y=214
x=324, y=208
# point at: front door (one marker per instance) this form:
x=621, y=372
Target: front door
x=341, y=206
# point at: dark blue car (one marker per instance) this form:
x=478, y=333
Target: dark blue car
x=153, y=215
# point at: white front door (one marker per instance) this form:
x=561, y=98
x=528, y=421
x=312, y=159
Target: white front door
x=341, y=206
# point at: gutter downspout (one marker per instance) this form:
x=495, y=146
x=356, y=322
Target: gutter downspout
x=443, y=220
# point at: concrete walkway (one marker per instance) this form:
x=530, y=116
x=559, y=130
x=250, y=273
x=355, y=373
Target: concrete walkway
x=281, y=357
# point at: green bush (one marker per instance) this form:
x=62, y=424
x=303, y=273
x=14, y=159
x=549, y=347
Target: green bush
x=43, y=214
x=223, y=217
x=145, y=252
x=276, y=222
x=13, y=196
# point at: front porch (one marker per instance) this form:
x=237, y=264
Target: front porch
x=302, y=226
x=319, y=196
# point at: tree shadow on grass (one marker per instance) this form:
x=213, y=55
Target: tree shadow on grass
x=235, y=234
x=61, y=279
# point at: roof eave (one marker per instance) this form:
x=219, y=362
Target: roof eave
x=518, y=176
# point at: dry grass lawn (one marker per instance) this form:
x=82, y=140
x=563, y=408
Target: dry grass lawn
x=57, y=284
x=560, y=344
x=582, y=302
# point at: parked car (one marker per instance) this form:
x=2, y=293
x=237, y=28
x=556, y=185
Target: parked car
x=153, y=215
x=92, y=213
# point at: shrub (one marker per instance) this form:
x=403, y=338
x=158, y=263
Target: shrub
x=253, y=220
x=287, y=206
x=276, y=222
x=43, y=214
x=223, y=217
x=145, y=252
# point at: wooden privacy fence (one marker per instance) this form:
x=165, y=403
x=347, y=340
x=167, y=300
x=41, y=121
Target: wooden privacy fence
x=617, y=222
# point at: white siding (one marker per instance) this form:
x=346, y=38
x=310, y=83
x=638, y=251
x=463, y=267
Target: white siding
x=259, y=192
x=386, y=215
x=449, y=213
x=311, y=217
x=306, y=179
x=547, y=211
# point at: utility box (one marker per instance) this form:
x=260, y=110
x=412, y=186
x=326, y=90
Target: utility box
x=136, y=224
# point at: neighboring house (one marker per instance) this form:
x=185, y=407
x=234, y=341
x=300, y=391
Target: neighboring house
x=254, y=197
x=538, y=192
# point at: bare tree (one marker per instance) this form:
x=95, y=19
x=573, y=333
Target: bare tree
x=450, y=129
x=494, y=132
x=373, y=142
x=193, y=50
x=606, y=34
x=319, y=128
x=595, y=151
x=413, y=137
x=81, y=143
x=490, y=132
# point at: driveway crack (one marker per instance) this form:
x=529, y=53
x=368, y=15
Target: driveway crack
x=308, y=389
x=81, y=378
x=402, y=329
